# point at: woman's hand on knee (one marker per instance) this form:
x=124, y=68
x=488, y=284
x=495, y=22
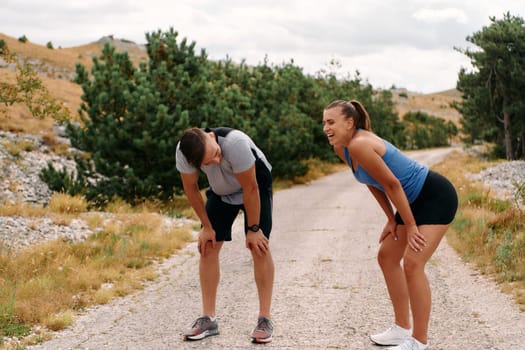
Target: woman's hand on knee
x=389, y=229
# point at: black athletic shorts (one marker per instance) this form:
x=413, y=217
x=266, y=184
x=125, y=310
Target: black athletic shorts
x=436, y=204
x=222, y=215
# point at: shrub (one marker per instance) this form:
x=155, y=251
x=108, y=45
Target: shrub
x=61, y=180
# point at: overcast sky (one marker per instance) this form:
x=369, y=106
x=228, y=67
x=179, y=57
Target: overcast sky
x=406, y=43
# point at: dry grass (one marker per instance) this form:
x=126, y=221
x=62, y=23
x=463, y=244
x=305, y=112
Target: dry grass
x=59, y=203
x=488, y=232
x=64, y=59
x=45, y=283
x=65, y=204
x=22, y=209
x=16, y=148
x=17, y=118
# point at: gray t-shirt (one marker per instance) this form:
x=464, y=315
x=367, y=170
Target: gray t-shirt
x=237, y=157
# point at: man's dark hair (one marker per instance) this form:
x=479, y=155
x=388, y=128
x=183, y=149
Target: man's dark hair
x=192, y=145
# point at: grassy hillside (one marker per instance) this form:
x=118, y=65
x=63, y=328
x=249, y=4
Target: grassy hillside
x=60, y=62
x=57, y=68
x=436, y=104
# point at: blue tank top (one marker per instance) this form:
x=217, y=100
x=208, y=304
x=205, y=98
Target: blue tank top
x=410, y=173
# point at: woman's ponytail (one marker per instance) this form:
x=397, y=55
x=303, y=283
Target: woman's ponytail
x=355, y=110
x=363, y=120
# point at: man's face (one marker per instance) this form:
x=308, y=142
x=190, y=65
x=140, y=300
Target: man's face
x=212, y=152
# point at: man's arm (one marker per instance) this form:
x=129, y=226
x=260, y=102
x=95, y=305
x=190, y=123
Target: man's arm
x=190, y=183
x=250, y=195
x=252, y=205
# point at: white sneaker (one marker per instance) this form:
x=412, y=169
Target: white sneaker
x=394, y=335
x=411, y=344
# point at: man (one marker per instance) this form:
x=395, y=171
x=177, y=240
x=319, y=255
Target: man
x=240, y=179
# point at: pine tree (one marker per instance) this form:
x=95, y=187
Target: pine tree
x=498, y=81
x=132, y=118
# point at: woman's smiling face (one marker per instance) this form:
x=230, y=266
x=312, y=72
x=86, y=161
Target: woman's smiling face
x=336, y=127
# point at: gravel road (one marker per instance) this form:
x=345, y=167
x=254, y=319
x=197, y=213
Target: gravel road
x=329, y=292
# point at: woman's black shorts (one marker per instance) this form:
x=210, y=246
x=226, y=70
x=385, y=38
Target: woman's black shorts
x=436, y=204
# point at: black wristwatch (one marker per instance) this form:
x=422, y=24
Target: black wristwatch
x=254, y=228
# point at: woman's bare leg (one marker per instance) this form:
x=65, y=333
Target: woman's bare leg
x=417, y=282
x=389, y=257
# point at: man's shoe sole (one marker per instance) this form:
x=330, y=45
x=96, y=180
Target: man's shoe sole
x=261, y=340
x=200, y=336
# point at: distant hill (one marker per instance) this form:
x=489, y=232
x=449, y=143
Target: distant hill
x=60, y=62
x=436, y=104
x=57, y=68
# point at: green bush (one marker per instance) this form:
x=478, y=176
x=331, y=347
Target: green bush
x=425, y=131
x=61, y=180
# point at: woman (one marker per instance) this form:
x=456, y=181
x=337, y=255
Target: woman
x=425, y=201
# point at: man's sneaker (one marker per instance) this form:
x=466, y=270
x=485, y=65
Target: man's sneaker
x=411, y=344
x=202, y=327
x=263, y=331
x=394, y=335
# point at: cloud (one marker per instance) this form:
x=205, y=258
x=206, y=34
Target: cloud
x=440, y=15
x=401, y=42
x=408, y=67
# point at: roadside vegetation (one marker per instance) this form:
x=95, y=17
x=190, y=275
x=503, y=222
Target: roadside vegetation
x=487, y=232
x=48, y=283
